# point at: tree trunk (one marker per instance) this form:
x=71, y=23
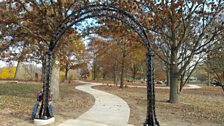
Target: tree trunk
x=66, y=72
x=114, y=74
x=104, y=75
x=181, y=82
x=173, y=87
x=55, y=78
x=167, y=77
x=122, y=75
x=122, y=71
x=173, y=77
x=209, y=78
x=134, y=72
x=94, y=70
x=18, y=71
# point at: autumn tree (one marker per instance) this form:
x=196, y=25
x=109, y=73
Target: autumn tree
x=94, y=46
x=73, y=54
x=120, y=48
x=214, y=63
x=33, y=23
x=136, y=63
x=182, y=30
x=5, y=27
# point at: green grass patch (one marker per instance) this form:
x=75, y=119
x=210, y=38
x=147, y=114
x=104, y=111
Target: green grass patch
x=18, y=96
x=20, y=90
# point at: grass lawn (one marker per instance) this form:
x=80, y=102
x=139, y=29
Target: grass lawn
x=17, y=100
x=198, y=107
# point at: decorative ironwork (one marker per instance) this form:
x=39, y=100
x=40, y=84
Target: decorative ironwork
x=99, y=11
x=44, y=109
x=112, y=12
x=151, y=119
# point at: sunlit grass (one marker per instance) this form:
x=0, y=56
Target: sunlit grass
x=205, y=104
x=17, y=96
x=23, y=90
x=17, y=100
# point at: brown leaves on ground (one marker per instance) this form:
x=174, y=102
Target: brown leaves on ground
x=16, y=103
x=195, y=108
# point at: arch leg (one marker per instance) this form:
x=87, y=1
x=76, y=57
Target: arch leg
x=151, y=114
x=44, y=111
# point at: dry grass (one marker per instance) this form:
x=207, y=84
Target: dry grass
x=16, y=103
x=201, y=107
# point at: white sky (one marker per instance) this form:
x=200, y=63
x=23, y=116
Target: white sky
x=2, y=64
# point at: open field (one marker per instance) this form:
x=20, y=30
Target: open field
x=198, y=107
x=16, y=103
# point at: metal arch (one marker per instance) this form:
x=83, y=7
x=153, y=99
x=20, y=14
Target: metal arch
x=114, y=13
x=106, y=10
x=90, y=16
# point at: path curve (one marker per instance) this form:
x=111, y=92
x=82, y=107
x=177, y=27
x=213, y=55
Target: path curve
x=108, y=110
x=188, y=86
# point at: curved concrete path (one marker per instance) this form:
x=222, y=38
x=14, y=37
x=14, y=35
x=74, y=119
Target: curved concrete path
x=108, y=110
x=188, y=86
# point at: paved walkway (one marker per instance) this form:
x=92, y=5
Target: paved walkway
x=108, y=110
x=188, y=86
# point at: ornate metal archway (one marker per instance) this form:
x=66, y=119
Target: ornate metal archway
x=112, y=12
